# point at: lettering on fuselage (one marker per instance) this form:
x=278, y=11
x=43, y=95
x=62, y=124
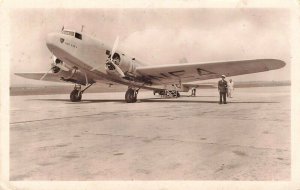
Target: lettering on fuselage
x=68, y=43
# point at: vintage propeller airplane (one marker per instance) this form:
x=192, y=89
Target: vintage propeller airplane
x=84, y=61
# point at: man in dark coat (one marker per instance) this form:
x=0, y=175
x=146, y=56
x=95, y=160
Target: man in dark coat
x=222, y=87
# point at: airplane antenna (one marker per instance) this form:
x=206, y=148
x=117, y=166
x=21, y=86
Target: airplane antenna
x=82, y=28
x=63, y=27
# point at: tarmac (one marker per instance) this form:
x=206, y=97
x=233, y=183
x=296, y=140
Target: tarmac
x=186, y=138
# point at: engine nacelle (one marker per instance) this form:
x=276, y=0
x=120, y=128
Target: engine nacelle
x=69, y=74
x=58, y=65
x=126, y=64
x=75, y=76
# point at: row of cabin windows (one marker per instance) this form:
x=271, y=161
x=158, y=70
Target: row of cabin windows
x=70, y=33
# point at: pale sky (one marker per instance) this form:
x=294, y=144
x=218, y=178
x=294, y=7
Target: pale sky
x=158, y=36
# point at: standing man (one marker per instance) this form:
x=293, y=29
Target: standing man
x=222, y=87
x=193, y=91
x=230, y=88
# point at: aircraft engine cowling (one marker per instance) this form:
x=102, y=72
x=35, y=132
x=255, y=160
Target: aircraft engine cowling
x=55, y=69
x=58, y=65
x=67, y=73
x=127, y=65
x=124, y=63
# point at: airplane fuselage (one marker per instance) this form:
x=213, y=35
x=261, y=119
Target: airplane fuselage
x=80, y=51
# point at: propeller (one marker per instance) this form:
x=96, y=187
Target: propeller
x=46, y=73
x=111, y=58
x=86, y=79
x=114, y=48
x=52, y=57
x=54, y=64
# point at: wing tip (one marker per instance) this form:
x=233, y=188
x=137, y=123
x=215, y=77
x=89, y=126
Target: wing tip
x=273, y=64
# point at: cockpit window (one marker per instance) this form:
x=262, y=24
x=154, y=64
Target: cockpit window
x=70, y=33
x=79, y=36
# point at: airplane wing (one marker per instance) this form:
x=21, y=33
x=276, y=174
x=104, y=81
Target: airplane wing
x=171, y=74
x=52, y=77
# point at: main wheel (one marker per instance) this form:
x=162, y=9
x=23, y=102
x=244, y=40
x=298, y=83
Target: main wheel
x=130, y=96
x=75, y=96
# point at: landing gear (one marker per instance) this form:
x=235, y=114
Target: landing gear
x=131, y=95
x=76, y=94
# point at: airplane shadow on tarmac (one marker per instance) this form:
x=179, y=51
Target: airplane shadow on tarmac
x=156, y=100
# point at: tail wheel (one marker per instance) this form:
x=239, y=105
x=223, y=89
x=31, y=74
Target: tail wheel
x=75, y=96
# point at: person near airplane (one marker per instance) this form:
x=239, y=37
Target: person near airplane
x=193, y=91
x=222, y=88
x=230, y=88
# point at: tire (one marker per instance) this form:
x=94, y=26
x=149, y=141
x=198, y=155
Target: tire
x=75, y=97
x=130, y=96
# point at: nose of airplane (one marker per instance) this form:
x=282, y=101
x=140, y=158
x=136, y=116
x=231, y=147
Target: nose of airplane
x=52, y=40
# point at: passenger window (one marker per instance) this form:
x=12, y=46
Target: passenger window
x=78, y=36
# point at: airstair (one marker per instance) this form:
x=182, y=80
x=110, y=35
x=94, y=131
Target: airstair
x=171, y=93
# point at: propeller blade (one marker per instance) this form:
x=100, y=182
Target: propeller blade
x=53, y=57
x=114, y=48
x=116, y=43
x=94, y=68
x=45, y=74
x=86, y=79
x=118, y=69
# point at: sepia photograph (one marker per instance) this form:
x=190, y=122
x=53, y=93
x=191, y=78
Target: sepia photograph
x=149, y=93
